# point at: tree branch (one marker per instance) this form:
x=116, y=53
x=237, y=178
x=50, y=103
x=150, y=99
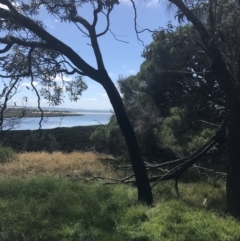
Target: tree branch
x=9, y=5
x=4, y=106
x=126, y=42
x=52, y=42
x=11, y=40
x=7, y=47
x=96, y=11
x=108, y=22
x=32, y=79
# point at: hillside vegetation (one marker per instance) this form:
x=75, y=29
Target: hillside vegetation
x=42, y=198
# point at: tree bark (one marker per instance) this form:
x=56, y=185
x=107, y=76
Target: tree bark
x=233, y=168
x=139, y=169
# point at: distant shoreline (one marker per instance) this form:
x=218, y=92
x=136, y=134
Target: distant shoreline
x=10, y=113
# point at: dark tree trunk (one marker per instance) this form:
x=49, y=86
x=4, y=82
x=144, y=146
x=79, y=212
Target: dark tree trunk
x=142, y=181
x=233, y=179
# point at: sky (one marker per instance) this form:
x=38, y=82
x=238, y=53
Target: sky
x=121, y=59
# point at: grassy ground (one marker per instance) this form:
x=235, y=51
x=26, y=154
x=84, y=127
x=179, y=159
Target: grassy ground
x=38, y=202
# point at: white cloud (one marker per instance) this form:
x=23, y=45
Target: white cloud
x=28, y=84
x=65, y=78
x=104, y=95
x=48, y=23
x=152, y=3
x=4, y=6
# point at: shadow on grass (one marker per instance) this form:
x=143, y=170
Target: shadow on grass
x=56, y=209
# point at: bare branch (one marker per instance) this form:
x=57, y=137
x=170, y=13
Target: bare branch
x=116, y=37
x=7, y=47
x=81, y=29
x=14, y=76
x=178, y=170
x=209, y=123
x=32, y=84
x=69, y=72
x=96, y=11
x=135, y=24
x=135, y=21
x=108, y=22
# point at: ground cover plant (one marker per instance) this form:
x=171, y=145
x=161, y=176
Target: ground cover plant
x=39, y=201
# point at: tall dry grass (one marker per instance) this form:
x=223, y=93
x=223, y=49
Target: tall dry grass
x=33, y=163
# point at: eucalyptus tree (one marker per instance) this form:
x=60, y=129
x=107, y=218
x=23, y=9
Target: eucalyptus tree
x=31, y=52
x=217, y=23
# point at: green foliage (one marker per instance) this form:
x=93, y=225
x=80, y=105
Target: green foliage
x=39, y=142
x=7, y=154
x=99, y=138
x=109, y=138
x=52, y=208
x=168, y=134
x=176, y=135
x=200, y=139
x=174, y=85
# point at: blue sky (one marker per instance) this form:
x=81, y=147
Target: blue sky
x=120, y=59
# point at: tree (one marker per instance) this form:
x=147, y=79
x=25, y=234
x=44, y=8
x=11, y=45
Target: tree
x=32, y=53
x=175, y=73
x=219, y=36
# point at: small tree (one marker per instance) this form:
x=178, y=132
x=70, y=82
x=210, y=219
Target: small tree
x=32, y=53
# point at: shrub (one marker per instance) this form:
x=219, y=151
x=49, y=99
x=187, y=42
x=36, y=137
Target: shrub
x=177, y=134
x=37, y=142
x=6, y=154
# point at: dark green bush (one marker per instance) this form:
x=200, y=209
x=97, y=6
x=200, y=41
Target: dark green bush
x=37, y=142
x=6, y=154
x=109, y=139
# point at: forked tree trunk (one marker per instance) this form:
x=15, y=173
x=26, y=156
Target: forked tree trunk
x=233, y=179
x=142, y=181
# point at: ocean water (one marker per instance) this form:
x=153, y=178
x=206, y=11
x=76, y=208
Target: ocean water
x=87, y=119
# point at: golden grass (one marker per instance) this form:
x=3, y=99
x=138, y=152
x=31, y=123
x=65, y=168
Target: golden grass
x=32, y=163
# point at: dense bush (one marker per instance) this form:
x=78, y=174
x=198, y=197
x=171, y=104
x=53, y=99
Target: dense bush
x=180, y=136
x=109, y=139
x=6, y=154
x=37, y=142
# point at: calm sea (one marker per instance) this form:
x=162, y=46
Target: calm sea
x=88, y=118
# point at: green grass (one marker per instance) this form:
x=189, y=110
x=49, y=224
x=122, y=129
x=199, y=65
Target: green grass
x=53, y=208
